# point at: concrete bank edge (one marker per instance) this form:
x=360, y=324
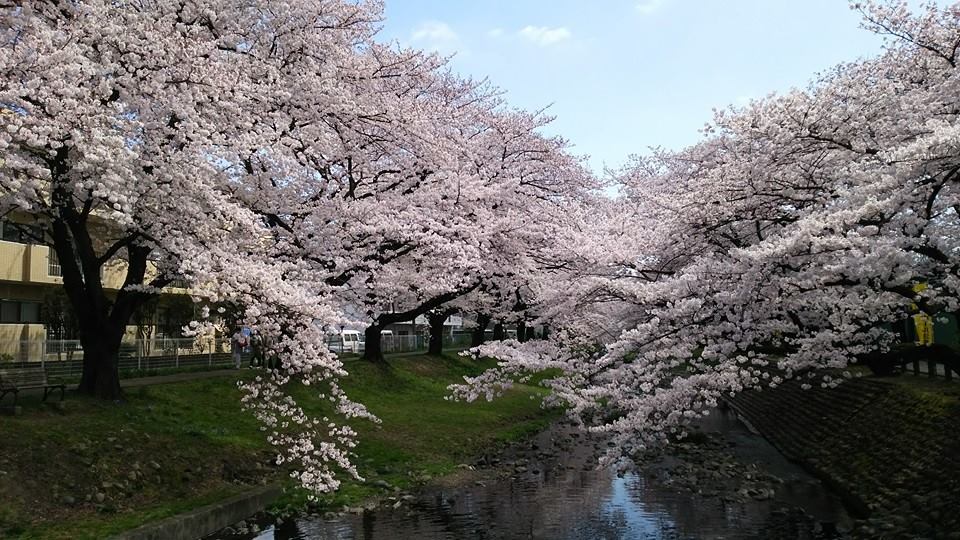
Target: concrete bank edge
x=206, y=520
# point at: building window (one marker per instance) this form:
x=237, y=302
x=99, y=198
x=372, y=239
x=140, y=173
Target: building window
x=20, y=233
x=19, y=312
x=29, y=312
x=53, y=264
x=180, y=283
x=9, y=312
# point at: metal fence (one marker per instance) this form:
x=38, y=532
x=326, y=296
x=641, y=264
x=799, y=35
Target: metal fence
x=932, y=369
x=64, y=358
x=344, y=345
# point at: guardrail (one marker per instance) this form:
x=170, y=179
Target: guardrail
x=931, y=369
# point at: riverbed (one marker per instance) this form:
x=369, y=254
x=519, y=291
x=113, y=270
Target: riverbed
x=723, y=483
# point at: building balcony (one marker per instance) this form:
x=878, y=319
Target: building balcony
x=26, y=263
x=36, y=264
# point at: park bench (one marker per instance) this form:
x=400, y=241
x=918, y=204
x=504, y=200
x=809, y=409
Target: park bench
x=12, y=380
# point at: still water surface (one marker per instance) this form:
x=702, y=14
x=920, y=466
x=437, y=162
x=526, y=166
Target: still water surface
x=556, y=498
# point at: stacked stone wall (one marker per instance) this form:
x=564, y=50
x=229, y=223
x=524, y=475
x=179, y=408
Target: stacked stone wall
x=892, y=450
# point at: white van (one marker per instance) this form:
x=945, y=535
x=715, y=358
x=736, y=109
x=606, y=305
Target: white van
x=349, y=341
x=387, y=342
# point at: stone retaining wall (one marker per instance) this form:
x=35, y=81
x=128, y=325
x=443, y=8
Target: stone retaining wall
x=892, y=451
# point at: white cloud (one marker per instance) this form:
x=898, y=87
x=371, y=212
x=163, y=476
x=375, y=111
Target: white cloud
x=544, y=36
x=435, y=35
x=649, y=6
x=495, y=33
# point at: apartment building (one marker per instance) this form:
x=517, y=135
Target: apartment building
x=32, y=304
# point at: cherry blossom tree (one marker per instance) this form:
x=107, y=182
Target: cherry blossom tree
x=786, y=244
x=114, y=118
x=120, y=125
x=480, y=199
x=278, y=160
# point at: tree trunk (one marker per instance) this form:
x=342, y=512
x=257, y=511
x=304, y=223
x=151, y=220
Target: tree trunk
x=373, y=346
x=499, y=332
x=102, y=319
x=101, y=350
x=100, y=376
x=519, y=308
x=436, y=320
x=374, y=350
x=479, y=334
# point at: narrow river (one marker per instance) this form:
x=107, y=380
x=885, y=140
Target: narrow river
x=726, y=484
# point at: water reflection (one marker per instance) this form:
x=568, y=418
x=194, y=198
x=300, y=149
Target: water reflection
x=556, y=498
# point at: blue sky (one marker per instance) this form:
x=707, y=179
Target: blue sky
x=625, y=75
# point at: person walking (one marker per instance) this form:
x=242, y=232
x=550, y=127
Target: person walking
x=237, y=343
x=256, y=350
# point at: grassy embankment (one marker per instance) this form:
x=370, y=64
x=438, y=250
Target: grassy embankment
x=100, y=468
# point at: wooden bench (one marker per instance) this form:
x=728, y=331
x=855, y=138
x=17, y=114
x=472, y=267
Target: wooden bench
x=12, y=380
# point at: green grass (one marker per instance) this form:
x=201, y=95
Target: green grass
x=422, y=434
x=153, y=372
x=193, y=445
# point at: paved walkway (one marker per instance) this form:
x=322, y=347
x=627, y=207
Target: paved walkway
x=189, y=376
x=195, y=375
x=222, y=372
x=178, y=377
x=136, y=382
